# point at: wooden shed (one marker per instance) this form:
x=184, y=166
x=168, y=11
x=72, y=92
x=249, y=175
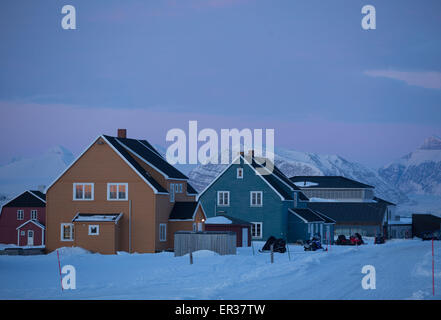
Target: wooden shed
x=226, y=223
x=220, y=242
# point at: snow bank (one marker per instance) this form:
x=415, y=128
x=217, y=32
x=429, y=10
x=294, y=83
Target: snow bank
x=70, y=251
x=203, y=254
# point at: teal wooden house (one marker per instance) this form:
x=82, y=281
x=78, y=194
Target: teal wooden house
x=271, y=202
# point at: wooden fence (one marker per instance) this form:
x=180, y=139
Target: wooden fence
x=222, y=242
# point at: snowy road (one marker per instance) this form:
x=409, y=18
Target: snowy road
x=403, y=271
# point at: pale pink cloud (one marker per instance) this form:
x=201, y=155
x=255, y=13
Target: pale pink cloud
x=428, y=79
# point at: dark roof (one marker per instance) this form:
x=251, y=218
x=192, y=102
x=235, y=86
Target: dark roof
x=113, y=141
x=325, y=217
x=39, y=194
x=367, y=213
x=28, y=199
x=384, y=201
x=328, y=182
x=190, y=189
x=307, y=214
x=278, y=180
x=183, y=210
x=101, y=217
x=146, y=152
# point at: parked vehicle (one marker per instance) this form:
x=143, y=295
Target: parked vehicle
x=279, y=245
x=379, y=239
x=313, y=244
x=354, y=240
x=429, y=235
x=342, y=241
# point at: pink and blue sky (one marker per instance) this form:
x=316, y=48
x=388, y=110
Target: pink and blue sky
x=305, y=68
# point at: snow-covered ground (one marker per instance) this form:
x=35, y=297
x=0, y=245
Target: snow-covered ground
x=403, y=271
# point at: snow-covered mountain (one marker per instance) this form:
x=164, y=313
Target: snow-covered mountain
x=294, y=163
x=418, y=172
x=30, y=173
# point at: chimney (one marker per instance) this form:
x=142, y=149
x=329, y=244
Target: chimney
x=251, y=153
x=122, y=133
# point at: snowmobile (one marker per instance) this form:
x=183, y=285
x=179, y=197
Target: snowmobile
x=354, y=240
x=379, y=239
x=313, y=245
x=279, y=245
x=342, y=241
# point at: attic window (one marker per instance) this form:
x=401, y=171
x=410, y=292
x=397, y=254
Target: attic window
x=94, y=230
x=117, y=191
x=239, y=173
x=83, y=191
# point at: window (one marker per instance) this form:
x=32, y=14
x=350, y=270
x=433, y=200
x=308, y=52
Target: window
x=256, y=229
x=162, y=232
x=256, y=198
x=94, y=230
x=239, y=173
x=30, y=234
x=22, y=233
x=117, y=191
x=223, y=198
x=67, y=232
x=178, y=187
x=172, y=192
x=34, y=215
x=194, y=227
x=83, y=191
x=296, y=200
x=20, y=214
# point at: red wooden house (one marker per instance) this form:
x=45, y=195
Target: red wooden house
x=23, y=219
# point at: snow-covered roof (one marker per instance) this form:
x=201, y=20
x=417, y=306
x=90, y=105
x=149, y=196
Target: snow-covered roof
x=314, y=199
x=328, y=182
x=89, y=217
x=403, y=220
x=306, y=184
x=218, y=220
x=34, y=222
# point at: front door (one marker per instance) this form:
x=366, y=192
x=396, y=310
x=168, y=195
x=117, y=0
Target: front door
x=244, y=237
x=30, y=238
x=200, y=226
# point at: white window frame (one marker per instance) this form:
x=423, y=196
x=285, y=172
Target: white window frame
x=237, y=173
x=90, y=233
x=31, y=232
x=20, y=214
x=83, y=184
x=180, y=188
x=223, y=198
x=22, y=233
x=71, y=232
x=172, y=192
x=162, y=232
x=251, y=199
x=194, y=227
x=34, y=215
x=117, y=184
x=261, y=230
